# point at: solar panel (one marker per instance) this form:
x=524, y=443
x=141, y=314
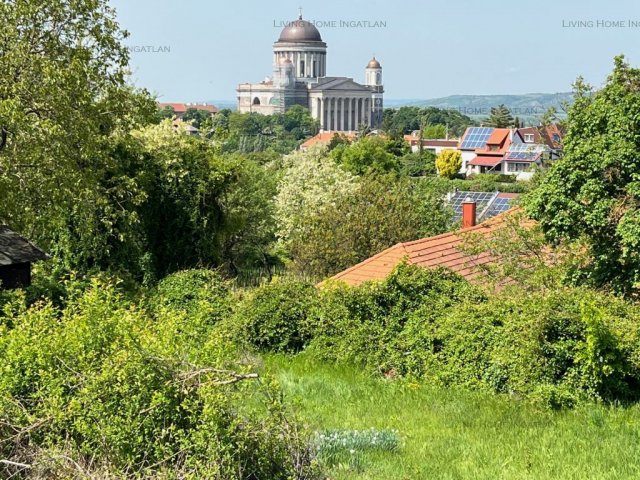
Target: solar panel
x=456, y=200
x=498, y=206
x=476, y=137
x=488, y=204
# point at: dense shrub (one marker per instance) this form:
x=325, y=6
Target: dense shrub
x=274, y=316
x=560, y=346
x=102, y=389
x=374, y=324
x=201, y=294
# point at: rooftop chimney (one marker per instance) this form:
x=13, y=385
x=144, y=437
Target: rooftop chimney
x=468, y=214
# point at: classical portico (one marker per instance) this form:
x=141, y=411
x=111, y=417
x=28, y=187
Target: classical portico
x=300, y=78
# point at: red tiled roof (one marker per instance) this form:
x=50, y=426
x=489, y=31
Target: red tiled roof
x=325, y=137
x=548, y=132
x=498, y=136
x=486, y=161
x=439, y=251
x=183, y=107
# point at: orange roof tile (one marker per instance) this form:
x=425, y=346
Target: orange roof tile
x=432, y=252
x=325, y=137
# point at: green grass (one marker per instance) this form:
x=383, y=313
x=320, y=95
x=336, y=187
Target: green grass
x=457, y=434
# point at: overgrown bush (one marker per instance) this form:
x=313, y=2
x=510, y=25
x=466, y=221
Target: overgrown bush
x=555, y=346
x=200, y=294
x=274, y=316
x=103, y=389
x=375, y=324
x=559, y=347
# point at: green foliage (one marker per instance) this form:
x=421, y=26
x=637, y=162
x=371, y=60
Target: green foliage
x=418, y=164
x=405, y=120
x=197, y=117
x=311, y=182
x=592, y=192
x=449, y=163
x=100, y=388
x=367, y=155
x=273, y=317
x=200, y=294
x=253, y=132
x=60, y=107
x=500, y=117
x=376, y=325
x=558, y=346
x=383, y=211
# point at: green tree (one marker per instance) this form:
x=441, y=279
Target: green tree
x=311, y=182
x=449, y=163
x=196, y=117
x=63, y=105
x=369, y=154
x=434, y=131
x=500, y=117
x=593, y=192
x=383, y=211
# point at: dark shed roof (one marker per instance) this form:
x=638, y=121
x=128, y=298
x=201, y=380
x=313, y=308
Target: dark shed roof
x=16, y=249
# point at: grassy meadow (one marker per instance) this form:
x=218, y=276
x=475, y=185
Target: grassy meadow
x=457, y=434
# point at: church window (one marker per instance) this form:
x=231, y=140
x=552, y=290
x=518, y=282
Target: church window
x=256, y=101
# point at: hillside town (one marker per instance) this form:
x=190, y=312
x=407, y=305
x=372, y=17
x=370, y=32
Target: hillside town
x=323, y=274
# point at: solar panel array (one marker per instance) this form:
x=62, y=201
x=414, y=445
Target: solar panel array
x=456, y=200
x=525, y=152
x=476, y=137
x=498, y=206
x=531, y=156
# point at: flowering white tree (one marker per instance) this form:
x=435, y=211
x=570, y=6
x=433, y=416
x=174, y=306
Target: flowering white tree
x=312, y=182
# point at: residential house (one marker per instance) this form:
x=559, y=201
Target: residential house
x=435, y=145
x=433, y=252
x=324, y=138
x=181, y=108
x=16, y=256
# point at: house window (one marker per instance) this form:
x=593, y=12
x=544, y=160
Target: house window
x=556, y=138
x=517, y=167
x=528, y=137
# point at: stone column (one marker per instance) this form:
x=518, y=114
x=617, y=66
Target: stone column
x=348, y=110
x=335, y=113
x=321, y=100
x=357, y=114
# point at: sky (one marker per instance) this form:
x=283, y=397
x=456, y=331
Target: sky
x=202, y=49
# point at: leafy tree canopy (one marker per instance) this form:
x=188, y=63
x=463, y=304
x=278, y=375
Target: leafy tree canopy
x=593, y=192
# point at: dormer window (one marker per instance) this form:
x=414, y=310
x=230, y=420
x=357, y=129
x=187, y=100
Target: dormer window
x=556, y=138
x=528, y=138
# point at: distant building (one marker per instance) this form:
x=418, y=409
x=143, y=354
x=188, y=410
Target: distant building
x=433, y=145
x=181, y=108
x=324, y=138
x=300, y=78
x=16, y=256
x=509, y=151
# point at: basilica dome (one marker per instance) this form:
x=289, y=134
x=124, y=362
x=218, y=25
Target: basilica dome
x=300, y=31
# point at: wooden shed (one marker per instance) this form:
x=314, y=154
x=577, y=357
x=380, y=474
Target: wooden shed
x=16, y=256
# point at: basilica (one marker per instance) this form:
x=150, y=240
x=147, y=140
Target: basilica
x=300, y=78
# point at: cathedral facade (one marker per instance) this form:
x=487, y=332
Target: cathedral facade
x=300, y=78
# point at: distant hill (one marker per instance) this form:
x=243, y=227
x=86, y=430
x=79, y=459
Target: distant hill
x=525, y=106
